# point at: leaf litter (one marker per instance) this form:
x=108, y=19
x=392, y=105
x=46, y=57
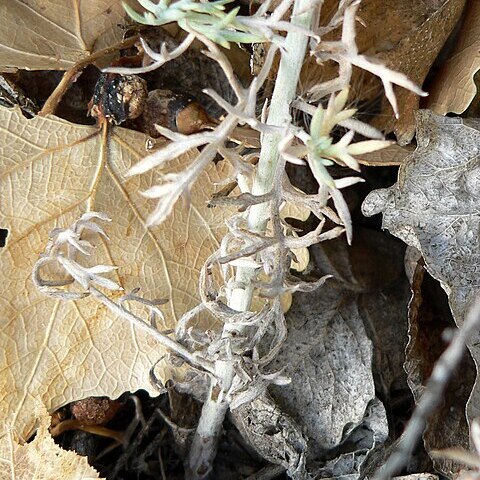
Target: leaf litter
x=329, y=355
x=351, y=334
x=434, y=208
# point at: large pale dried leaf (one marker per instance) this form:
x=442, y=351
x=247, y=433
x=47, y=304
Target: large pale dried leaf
x=434, y=207
x=42, y=458
x=54, y=34
x=406, y=36
x=454, y=87
x=51, y=172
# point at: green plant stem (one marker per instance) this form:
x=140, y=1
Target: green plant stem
x=204, y=444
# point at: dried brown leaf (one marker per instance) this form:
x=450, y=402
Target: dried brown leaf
x=51, y=172
x=42, y=458
x=454, y=87
x=55, y=34
x=406, y=36
x=414, y=55
x=390, y=156
x=429, y=316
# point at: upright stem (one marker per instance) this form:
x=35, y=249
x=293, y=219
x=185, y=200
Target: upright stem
x=204, y=445
x=279, y=115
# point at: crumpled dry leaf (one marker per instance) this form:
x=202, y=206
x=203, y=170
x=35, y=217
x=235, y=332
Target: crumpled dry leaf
x=275, y=436
x=328, y=356
x=434, y=207
x=51, y=172
x=55, y=34
x=368, y=435
x=332, y=320
x=406, y=36
x=454, y=87
x=42, y=458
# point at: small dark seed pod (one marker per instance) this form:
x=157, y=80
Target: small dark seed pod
x=178, y=112
x=118, y=97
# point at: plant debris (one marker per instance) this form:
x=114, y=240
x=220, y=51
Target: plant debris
x=195, y=280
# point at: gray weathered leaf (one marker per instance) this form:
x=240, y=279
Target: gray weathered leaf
x=342, y=348
x=274, y=435
x=329, y=357
x=434, y=206
x=370, y=433
x=373, y=268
